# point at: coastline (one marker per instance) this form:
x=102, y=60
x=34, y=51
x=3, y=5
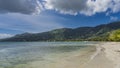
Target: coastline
x=100, y=55
x=75, y=59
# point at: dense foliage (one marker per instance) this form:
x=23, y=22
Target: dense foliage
x=98, y=33
x=115, y=35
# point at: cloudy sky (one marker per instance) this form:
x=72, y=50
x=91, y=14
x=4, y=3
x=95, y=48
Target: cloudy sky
x=19, y=16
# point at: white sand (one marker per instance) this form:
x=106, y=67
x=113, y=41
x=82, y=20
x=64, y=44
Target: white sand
x=99, y=60
x=112, y=52
x=107, y=56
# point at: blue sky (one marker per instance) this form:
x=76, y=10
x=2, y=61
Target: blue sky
x=44, y=15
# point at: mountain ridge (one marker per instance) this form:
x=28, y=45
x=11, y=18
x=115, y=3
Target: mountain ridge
x=97, y=33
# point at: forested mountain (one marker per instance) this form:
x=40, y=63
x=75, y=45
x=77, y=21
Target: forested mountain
x=98, y=33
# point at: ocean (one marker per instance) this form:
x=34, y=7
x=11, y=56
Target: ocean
x=45, y=54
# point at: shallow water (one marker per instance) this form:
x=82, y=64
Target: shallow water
x=43, y=54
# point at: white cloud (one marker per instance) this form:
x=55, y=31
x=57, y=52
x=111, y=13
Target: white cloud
x=115, y=6
x=73, y=7
x=66, y=6
x=86, y=7
x=5, y=36
x=20, y=6
x=112, y=18
x=97, y=6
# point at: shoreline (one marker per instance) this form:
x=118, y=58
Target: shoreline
x=105, y=56
x=100, y=55
x=75, y=59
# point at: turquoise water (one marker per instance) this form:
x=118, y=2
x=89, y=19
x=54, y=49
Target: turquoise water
x=16, y=53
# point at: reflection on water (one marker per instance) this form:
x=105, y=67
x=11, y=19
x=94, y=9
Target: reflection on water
x=16, y=53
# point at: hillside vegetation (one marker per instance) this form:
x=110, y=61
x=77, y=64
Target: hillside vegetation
x=115, y=35
x=104, y=32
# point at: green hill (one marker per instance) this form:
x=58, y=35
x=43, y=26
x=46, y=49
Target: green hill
x=98, y=33
x=115, y=35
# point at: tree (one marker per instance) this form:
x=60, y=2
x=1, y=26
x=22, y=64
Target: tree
x=115, y=35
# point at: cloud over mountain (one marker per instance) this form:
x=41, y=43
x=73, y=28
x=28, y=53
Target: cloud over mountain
x=5, y=35
x=20, y=6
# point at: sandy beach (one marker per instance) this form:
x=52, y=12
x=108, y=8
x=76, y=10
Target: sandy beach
x=112, y=52
x=106, y=56
x=76, y=59
x=100, y=55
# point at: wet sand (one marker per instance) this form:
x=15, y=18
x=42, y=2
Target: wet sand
x=75, y=59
